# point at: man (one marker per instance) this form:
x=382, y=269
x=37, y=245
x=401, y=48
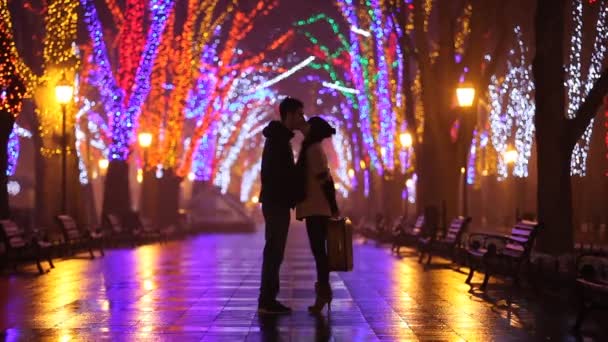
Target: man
x=277, y=198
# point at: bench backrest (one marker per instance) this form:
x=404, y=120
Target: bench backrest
x=456, y=229
x=13, y=236
x=522, y=237
x=419, y=225
x=115, y=223
x=69, y=227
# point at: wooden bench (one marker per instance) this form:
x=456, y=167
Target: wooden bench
x=20, y=247
x=450, y=243
x=80, y=238
x=119, y=231
x=592, y=284
x=491, y=252
x=407, y=235
x=146, y=230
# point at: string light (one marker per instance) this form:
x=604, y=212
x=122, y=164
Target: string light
x=229, y=65
x=576, y=89
x=511, y=105
x=360, y=31
x=124, y=105
x=340, y=88
x=368, y=73
x=286, y=74
x=250, y=176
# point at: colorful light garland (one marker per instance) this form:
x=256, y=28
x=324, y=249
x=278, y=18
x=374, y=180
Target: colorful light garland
x=229, y=64
x=367, y=71
x=122, y=106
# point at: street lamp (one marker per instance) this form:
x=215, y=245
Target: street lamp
x=405, y=139
x=103, y=164
x=465, y=94
x=64, y=91
x=510, y=156
x=145, y=140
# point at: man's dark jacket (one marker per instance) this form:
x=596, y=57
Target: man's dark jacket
x=278, y=167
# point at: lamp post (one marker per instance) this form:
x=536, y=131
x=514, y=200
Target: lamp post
x=465, y=96
x=406, y=140
x=145, y=141
x=64, y=92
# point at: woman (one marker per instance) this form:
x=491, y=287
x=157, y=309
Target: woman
x=318, y=202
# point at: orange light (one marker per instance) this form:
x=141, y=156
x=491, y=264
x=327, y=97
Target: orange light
x=406, y=139
x=465, y=94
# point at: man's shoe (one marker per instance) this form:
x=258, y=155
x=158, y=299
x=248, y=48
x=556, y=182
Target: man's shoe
x=275, y=308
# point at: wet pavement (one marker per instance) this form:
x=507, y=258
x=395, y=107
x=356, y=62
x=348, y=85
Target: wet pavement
x=205, y=288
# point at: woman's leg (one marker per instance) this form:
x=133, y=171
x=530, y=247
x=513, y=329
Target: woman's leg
x=316, y=227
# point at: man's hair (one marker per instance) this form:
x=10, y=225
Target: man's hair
x=288, y=105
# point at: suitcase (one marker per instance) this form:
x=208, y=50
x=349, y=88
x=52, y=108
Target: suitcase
x=340, y=244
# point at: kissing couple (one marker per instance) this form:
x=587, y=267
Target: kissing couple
x=305, y=185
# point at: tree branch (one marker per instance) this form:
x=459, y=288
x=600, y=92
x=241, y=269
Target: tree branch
x=500, y=48
x=588, y=110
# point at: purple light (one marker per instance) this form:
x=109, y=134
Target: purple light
x=123, y=120
x=13, y=148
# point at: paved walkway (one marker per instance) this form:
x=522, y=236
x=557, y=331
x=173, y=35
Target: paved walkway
x=205, y=289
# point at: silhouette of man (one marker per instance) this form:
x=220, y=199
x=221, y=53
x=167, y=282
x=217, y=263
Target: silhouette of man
x=277, y=198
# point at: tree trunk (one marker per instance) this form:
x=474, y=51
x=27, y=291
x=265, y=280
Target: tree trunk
x=149, y=194
x=48, y=187
x=168, y=198
x=6, y=126
x=117, y=196
x=553, y=147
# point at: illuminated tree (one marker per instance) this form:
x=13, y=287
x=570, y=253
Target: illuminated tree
x=444, y=57
x=366, y=70
x=12, y=91
x=512, y=110
x=578, y=84
x=124, y=86
x=558, y=130
x=229, y=61
x=59, y=56
x=191, y=94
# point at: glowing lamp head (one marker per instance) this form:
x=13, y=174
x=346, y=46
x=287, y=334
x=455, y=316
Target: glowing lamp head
x=463, y=170
x=255, y=200
x=511, y=156
x=363, y=165
x=465, y=94
x=406, y=140
x=409, y=183
x=103, y=164
x=191, y=176
x=144, y=139
x=64, y=91
x=351, y=173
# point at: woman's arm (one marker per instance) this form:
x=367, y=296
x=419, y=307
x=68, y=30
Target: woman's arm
x=320, y=169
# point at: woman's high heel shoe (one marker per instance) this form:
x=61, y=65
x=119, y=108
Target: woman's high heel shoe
x=324, y=296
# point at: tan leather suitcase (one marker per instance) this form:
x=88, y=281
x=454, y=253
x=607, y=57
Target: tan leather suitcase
x=340, y=244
